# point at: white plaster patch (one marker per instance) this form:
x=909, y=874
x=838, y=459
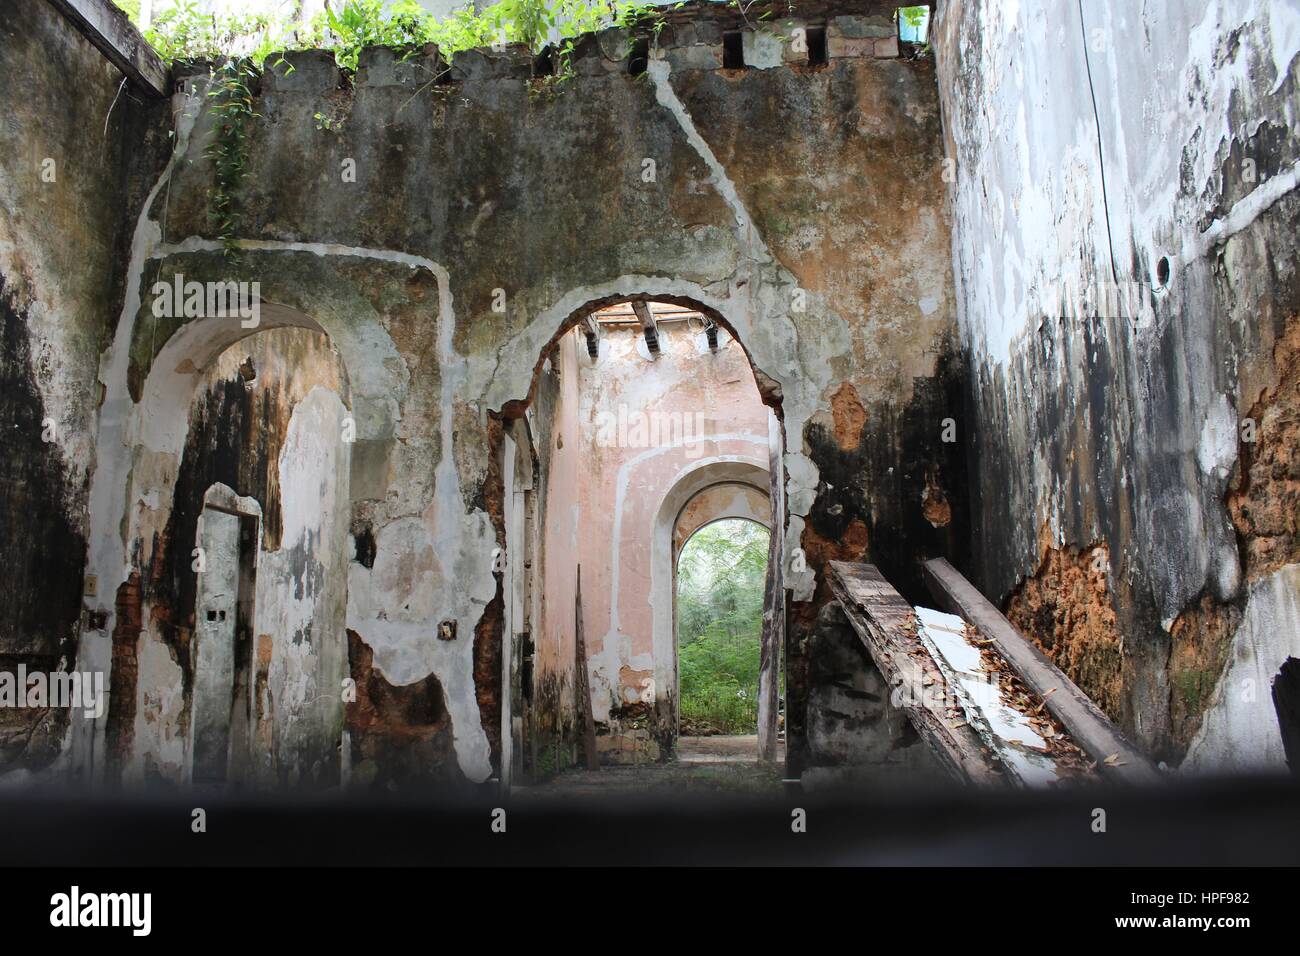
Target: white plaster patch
x=763, y=50
x=1239, y=732
x=159, y=703
x=801, y=480
x=1217, y=449
x=1004, y=729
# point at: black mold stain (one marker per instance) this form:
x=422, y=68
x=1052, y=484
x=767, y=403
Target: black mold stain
x=234, y=439
x=42, y=549
x=881, y=482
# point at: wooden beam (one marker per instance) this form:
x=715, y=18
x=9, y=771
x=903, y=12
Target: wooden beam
x=711, y=334
x=1117, y=759
x=886, y=623
x=115, y=36
x=591, y=328
x=648, y=327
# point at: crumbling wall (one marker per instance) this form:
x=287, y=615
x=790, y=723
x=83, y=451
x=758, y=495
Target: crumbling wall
x=551, y=730
x=1066, y=605
x=801, y=204
x=263, y=430
x=71, y=144
x=1125, y=222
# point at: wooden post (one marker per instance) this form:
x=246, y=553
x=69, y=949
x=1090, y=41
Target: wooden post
x=584, y=683
x=645, y=315
x=1117, y=759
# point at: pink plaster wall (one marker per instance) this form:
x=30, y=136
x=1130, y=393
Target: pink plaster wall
x=641, y=424
x=554, y=658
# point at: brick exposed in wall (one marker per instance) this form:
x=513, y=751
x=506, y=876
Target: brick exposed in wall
x=119, y=731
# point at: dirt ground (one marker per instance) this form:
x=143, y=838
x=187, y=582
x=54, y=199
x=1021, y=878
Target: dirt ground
x=701, y=765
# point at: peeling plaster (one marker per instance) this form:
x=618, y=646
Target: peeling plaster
x=1239, y=732
x=107, y=559
x=1129, y=420
x=405, y=651
x=418, y=493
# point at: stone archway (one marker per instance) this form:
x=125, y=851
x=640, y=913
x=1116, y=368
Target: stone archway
x=674, y=525
x=633, y=494
x=151, y=376
x=247, y=462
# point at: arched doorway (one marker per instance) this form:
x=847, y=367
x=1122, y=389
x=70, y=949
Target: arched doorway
x=711, y=489
x=637, y=405
x=229, y=644
x=721, y=566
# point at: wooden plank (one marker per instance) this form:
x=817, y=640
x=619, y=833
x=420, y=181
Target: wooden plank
x=886, y=623
x=114, y=35
x=648, y=328
x=584, y=683
x=1093, y=731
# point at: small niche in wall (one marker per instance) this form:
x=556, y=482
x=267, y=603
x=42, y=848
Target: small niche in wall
x=544, y=64
x=816, y=39
x=638, y=60
x=733, y=50
x=363, y=539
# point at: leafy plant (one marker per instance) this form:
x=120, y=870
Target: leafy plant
x=914, y=16
x=232, y=108
x=362, y=23
x=917, y=20
x=720, y=579
x=130, y=7
x=185, y=32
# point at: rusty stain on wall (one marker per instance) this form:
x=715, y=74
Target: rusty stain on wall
x=1067, y=609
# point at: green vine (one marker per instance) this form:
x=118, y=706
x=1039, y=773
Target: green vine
x=185, y=32
x=231, y=96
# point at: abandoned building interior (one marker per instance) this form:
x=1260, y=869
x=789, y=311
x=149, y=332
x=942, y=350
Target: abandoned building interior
x=994, y=336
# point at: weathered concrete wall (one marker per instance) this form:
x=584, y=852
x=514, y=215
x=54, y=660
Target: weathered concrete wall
x=264, y=440
x=852, y=719
x=72, y=144
x=774, y=193
x=1132, y=494
x=558, y=436
x=803, y=206
x=1132, y=462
